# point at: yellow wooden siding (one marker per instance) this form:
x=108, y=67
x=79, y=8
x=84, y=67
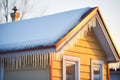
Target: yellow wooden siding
x=56, y=70
x=56, y=78
x=84, y=75
x=86, y=49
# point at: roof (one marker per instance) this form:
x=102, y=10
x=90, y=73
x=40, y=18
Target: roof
x=55, y=31
x=42, y=31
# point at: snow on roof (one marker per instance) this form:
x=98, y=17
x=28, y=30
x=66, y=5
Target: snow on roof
x=38, y=31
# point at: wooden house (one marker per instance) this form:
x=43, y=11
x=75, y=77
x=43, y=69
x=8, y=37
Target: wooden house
x=72, y=45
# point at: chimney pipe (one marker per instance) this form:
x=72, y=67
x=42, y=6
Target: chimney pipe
x=15, y=15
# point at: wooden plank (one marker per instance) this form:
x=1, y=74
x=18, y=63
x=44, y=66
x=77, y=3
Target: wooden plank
x=86, y=51
x=105, y=77
x=57, y=64
x=56, y=72
x=84, y=56
x=84, y=79
x=89, y=38
x=85, y=75
x=56, y=78
x=105, y=71
x=88, y=44
x=85, y=68
x=90, y=33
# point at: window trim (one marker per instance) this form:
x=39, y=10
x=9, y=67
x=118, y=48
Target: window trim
x=100, y=63
x=71, y=59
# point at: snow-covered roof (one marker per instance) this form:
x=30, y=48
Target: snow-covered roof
x=43, y=31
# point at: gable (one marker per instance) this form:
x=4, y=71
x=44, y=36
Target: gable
x=105, y=39
x=95, y=20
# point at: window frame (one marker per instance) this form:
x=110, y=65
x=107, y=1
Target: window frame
x=73, y=60
x=97, y=63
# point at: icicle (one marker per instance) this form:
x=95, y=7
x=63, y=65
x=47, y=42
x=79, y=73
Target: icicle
x=35, y=60
x=16, y=63
x=24, y=61
x=10, y=62
x=94, y=22
x=52, y=55
x=31, y=60
x=40, y=55
x=13, y=63
x=6, y=60
x=28, y=59
x=19, y=62
x=6, y=63
x=90, y=24
x=57, y=55
x=81, y=35
x=44, y=62
x=47, y=61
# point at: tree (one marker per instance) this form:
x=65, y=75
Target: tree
x=26, y=8
x=5, y=8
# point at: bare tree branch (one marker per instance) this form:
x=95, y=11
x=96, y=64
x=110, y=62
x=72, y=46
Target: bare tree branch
x=25, y=7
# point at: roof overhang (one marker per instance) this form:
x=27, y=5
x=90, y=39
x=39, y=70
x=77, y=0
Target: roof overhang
x=105, y=39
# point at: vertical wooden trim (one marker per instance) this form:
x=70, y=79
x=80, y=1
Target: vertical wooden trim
x=64, y=70
x=2, y=71
x=91, y=67
x=71, y=59
x=50, y=66
x=97, y=62
x=108, y=71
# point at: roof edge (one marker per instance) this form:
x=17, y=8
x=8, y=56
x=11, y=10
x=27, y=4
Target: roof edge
x=109, y=35
x=28, y=49
x=85, y=18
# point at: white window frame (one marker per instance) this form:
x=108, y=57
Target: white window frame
x=95, y=63
x=73, y=60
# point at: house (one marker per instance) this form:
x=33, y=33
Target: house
x=72, y=45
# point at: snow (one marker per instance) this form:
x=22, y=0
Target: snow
x=40, y=31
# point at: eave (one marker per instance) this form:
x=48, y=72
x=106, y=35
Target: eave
x=116, y=54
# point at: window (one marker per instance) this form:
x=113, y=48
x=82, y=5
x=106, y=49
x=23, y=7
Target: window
x=96, y=70
x=71, y=68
